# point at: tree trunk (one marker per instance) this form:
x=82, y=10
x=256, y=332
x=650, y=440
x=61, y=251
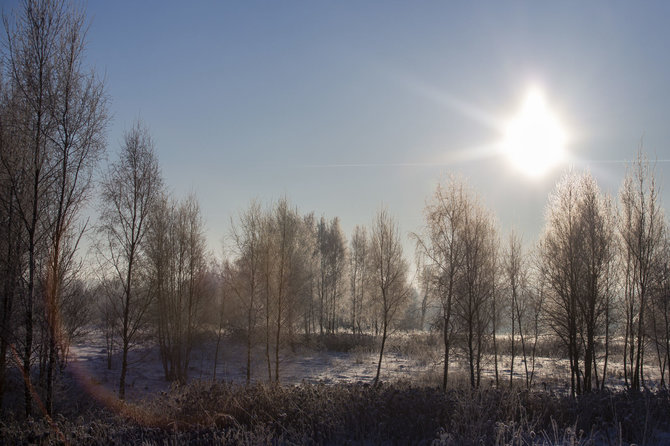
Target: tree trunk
x=249, y=333
x=267, y=325
x=667, y=341
x=381, y=352
x=7, y=301
x=277, y=339
x=124, y=369
x=511, y=366
x=28, y=347
x=640, y=336
x=471, y=356
x=495, y=345
x=445, y=375
x=218, y=341
x=588, y=358
x=126, y=328
x=607, y=346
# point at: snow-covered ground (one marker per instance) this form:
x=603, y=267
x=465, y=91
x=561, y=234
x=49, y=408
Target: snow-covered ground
x=88, y=363
x=145, y=375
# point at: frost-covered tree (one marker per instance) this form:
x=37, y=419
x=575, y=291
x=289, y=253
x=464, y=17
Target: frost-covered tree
x=476, y=287
x=177, y=270
x=641, y=230
x=442, y=244
x=247, y=236
x=56, y=123
x=130, y=190
x=577, y=261
x=389, y=274
x=358, y=275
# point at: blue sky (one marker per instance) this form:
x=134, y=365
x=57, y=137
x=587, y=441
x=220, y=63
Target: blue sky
x=343, y=106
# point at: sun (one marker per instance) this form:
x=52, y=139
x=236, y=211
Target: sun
x=534, y=140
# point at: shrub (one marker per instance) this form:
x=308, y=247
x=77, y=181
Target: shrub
x=398, y=413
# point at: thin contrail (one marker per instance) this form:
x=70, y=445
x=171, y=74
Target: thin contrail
x=336, y=165
x=446, y=159
x=621, y=161
x=447, y=164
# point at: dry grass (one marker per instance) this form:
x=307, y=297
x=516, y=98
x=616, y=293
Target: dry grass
x=399, y=413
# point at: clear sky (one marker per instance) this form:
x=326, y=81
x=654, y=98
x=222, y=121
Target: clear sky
x=343, y=106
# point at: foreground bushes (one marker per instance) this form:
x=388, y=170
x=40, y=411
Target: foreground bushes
x=216, y=413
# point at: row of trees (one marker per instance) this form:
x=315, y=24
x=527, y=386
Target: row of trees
x=289, y=272
x=604, y=270
x=598, y=270
x=595, y=273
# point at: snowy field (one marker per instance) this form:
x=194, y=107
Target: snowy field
x=326, y=398
x=310, y=364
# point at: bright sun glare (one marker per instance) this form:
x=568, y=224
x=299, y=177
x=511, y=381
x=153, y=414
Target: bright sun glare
x=534, y=140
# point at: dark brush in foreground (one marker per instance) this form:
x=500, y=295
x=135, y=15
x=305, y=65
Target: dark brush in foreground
x=399, y=413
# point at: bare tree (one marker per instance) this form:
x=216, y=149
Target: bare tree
x=597, y=220
x=247, y=239
x=323, y=278
x=474, y=292
x=524, y=306
x=309, y=300
x=514, y=277
x=78, y=108
x=425, y=276
x=389, y=274
x=268, y=265
x=32, y=44
x=285, y=227
x=58, y=118
x=442, y=244
x=660, y=314
x=130, y=189
x=108, y=316
x=559, y=250
x=12, y=246
x=641, y=229
x=534, y=307
x=577, y=259
x=274, y=277
x=77, y=309
x=332, y=263
x=461, y=245
x=358, y=267
x=496, y=304
x=225, y=278
x=175, y=248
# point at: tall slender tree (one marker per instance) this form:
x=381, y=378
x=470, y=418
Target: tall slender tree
x=32, y=46
x=442, y=244
x=12, y=244
x=514, y=278
x=389, y=270
x=475, y=290
x=358, y=262
x=78, y=108
x=247, y=238
x=58, y=119
x=130, y=189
